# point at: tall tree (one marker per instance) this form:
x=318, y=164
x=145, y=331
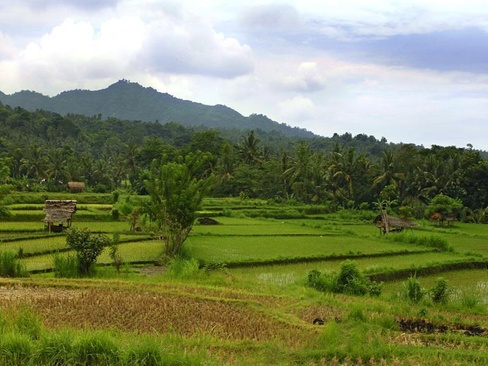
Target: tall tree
x=249, y=149
x=57, y=166
x=34, y=164
x=176, y=191
x=388, y=174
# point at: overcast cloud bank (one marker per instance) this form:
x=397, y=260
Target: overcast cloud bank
x=413, y=71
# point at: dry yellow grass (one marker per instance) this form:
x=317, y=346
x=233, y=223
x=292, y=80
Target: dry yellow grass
x=161, y=309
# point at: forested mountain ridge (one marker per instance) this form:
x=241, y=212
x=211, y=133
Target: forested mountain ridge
x=41, y=151
x=130, y=101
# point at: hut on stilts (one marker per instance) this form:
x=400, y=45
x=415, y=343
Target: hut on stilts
x=59, y=213
x=388, y=224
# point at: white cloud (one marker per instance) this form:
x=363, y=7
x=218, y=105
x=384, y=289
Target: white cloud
x=192, y=46
x=328, y=66
x=307, y=77
x=297, y=109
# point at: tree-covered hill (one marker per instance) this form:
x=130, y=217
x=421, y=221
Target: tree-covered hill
x=131, y=101
x=41, y=151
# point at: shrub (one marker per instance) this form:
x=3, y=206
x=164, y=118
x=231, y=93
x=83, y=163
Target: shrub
x=349, y=281
x=87, y=246
x=440, y=292
x=375, y=288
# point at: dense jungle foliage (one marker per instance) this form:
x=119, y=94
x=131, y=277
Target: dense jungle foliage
x=41, y=151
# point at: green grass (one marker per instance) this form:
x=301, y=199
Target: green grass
x=366, y=327
x=246, y=227
x=141, y=251
x=36, y=246
x=299, y=271
x=266, y=248
x=21, y=226
x=468, y=280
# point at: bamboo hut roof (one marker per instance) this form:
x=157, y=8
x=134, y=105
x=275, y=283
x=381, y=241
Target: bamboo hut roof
x=393, y=222
x=59, y=210
x=76, y=186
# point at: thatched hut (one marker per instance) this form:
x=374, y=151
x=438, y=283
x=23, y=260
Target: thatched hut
x=59, y=212
x=387, y=223
x=74, y=187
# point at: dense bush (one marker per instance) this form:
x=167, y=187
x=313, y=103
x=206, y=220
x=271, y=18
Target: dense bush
x=440, y=292
x=87, y=246
x=349, y=281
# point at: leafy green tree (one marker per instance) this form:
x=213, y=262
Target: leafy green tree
x=443, y=207
x=87, y=246
x=176, y=191
x=475, y=183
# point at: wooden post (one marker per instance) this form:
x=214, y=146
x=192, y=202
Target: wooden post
x=385, y=221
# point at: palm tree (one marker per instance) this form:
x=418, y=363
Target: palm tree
x=129, y=161
x=34, y=164
x=249, y=149
x=57, y=166
x=389, y=176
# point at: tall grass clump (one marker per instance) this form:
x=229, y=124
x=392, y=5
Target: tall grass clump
x=431, y=241
x=10, y=266
x=469, y=301
x=55, y=349
x=96, y=348
x=145, y=353
x=184, y=268
x=65, y=266
x=412, y=290
x=27, y=322
x=15, y=349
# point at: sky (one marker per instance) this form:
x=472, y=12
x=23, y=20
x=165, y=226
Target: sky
x=410, y=71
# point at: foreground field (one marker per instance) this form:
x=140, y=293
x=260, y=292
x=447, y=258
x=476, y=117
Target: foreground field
x=249, y=303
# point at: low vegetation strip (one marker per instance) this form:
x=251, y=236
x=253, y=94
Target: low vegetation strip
x=435, y=268
x=269, y=248
x=327, y=258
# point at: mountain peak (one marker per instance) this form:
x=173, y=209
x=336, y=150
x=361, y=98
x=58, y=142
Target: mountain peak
x=131, y=101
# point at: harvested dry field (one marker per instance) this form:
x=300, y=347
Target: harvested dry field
x=154, y=309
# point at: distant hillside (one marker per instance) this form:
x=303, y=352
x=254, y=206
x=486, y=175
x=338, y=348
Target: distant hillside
x=131, y=101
